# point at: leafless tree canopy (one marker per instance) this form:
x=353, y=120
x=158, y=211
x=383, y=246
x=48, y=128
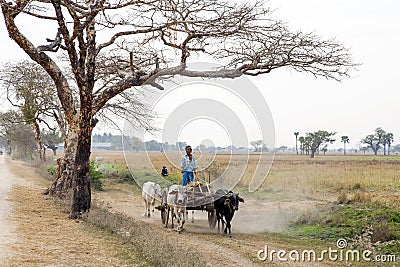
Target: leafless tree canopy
x=143, y=40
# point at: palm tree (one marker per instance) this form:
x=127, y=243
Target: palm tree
x=296, y=134
x=345, y=139
x=387, y=140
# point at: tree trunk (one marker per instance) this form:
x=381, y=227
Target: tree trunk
x=384, y=149
x=39, y=144
x=81, y=197
x=344, y=148
x=65, y=166
x=312, y=153
x=54, y=151
x=388, y=149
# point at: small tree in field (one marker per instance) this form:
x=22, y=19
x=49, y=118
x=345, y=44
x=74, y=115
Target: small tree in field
x=145, y=42
x=258, y=145
x=318, y=138
x=345, y=139
x=375, y=140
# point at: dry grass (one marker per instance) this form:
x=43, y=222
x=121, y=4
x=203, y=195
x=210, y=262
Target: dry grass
x=146, y=239
x=362, y=178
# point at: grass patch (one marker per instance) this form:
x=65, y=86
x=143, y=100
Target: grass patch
x=96, y=177
x=350, y=221
x=122, y=175
x=49, y=171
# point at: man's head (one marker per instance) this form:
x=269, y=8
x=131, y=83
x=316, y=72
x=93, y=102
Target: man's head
x=188, y=149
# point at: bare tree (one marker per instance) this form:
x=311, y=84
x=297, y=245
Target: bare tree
x=146, y=41
x=30, y=89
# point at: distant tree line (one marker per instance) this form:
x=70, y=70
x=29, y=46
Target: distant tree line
x=314, y=142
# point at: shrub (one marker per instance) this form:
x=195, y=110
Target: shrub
x=52, y=169
x=96, y=176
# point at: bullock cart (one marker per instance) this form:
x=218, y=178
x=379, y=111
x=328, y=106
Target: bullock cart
x=199, y=197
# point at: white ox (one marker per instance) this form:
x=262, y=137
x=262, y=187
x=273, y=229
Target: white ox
x=150, y=191
x=177, y=201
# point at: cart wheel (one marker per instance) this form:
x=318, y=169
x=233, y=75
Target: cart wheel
x=164, y=211
x=212, y=219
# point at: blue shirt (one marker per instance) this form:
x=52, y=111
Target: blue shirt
x=188, y=165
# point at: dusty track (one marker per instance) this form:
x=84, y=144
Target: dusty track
x=7, y=227
x=42, y=235
x=219, y=250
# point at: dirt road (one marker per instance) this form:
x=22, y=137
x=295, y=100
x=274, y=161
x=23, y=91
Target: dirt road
x=36, y=232
x=240, y=250
x=7, y=228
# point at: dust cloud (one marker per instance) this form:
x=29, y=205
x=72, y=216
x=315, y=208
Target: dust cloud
x=255, y=216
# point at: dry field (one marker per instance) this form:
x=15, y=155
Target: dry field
x=296, y=187
x=293, y=177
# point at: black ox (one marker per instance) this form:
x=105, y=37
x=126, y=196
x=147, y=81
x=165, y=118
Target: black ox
x=225, y=207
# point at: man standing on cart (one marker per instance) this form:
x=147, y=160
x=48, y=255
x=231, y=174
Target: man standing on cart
x=188, y=166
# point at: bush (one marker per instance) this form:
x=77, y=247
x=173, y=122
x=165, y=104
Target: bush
x=52, y=169
x=96, y=176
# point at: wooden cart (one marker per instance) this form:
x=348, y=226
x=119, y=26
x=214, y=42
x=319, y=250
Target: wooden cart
x=200, y=197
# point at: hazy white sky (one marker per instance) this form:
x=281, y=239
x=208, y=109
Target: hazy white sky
x=356, y=106
x=299, y=102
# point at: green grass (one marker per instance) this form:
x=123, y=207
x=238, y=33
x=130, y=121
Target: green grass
x=122, y=174
x=349, y=221
x=96, y=175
